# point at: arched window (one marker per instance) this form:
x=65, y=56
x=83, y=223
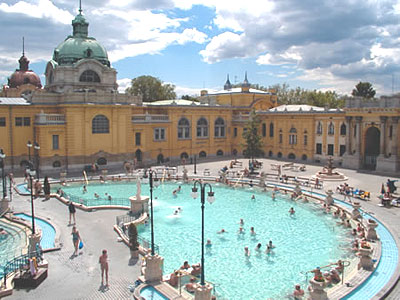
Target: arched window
x=271, y=129
x=184, y=156
x=26, y=80
x=331, y=129
x=219, y=130
x=319, y=128
x=279, y=154
x=160, y=158
x=183, y=129
x=234, y=152
x=100, y=124
x=264, y=130
x=343, y=129
x=202, y=128
x=202, y=154
x=292, y=136
x=220, y=153
x=102, y=161
x=138, y=155
x=292, y=156
x=270, y=154
x=304, y=157
x=89, y=76
x=57, y=164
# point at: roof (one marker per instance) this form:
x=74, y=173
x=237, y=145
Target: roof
x=301, y=108
x=173, y=102
x=238, y=90
x=13, y=101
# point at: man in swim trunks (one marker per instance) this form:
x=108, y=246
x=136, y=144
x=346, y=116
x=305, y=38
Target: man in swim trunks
x=103, y=261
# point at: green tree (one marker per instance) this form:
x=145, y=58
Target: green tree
x=191, y=98
x=151, y=89
x=253, y=142
x=364, y=89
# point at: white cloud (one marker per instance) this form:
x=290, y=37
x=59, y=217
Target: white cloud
x=181, y=90
x=123, y=84
x=41, y=9
x=219, y=46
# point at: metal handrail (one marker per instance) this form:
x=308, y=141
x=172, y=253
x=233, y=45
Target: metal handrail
x=17, y=263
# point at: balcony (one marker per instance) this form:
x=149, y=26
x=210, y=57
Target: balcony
x=147, y=118
x=50, y=119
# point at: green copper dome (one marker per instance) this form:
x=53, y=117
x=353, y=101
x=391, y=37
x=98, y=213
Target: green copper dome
x=79, y=45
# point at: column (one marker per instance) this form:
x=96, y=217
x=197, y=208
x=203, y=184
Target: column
x=348, y=135
x=395, y=140
x=358, y=137
x=382, y=148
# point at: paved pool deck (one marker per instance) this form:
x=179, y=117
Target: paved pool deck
x=79, y=277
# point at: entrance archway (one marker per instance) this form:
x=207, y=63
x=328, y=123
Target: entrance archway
x=160, y=159
x=371, y=150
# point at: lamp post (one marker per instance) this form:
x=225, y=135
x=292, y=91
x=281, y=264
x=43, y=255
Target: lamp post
x=37, y=148
x=195, y=171
x=210, y=199
x=29, y=145
x=3, y=179
x=31, y=174
x=156, y=183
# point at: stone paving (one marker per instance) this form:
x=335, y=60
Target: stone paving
x=79, y=277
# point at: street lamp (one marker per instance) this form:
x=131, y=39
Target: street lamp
x=2, y=157
x=37, y=148
x=31, y=174
x=156, y=183
x=211, y=200
x=29, y=145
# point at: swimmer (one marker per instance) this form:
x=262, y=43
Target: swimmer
x=180, y=209
x=268, y=250
x=258, y=247
x=305, y=199
x=273, y=196
x=253, y=197
x=241, y=230
x=208, y=244
x=109, y=197
x=176, y=212
x=252, y=232
x=276, y=189
x=174, y=193
x=241, y=222
x=96, y=195
x=178, y=189
x=84, y=189
x=3, y=232
x=271, y=245
x=246, y=251
x=291, y=211
x=221, y=231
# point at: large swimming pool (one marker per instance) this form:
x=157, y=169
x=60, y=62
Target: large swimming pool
x=303, y=241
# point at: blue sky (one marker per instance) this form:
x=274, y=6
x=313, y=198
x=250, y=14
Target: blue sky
x=194, y=44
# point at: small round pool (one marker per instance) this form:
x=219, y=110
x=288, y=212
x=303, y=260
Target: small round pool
x=303, y=241
x=150, y=293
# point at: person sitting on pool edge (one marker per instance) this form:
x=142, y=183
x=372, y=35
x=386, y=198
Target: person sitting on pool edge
x=196, y=270
x=173, y=278
x=190, y=287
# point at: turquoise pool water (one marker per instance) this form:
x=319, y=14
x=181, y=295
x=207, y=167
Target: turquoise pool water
x=48, y=231
x=307, y=240
x=150, y=293
x=12, y=245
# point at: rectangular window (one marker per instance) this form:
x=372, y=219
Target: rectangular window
x=235, y=132
x=27, y=121
x=244, y=130
x=355, y=130
x=280, y=138
x=2, y=122
x=137, y=138
x=305, y=140
x=292, y=139
x=18, y=121
x=264, y=130
x=342, y=150
x=159, y=134
x=390, y=131
x=318, y=149
x=56, y=144
x=330, y=149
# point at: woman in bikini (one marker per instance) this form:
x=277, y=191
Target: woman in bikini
x=75, y=239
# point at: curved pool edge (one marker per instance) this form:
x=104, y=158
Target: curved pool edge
x=370, y=281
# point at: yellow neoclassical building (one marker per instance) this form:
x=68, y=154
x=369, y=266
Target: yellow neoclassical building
x=79, y=118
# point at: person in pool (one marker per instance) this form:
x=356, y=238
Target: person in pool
x=241, y=222
x=208, y=244
x=252, y=232
x=298, y=293
x=291, y=211
x=221, y=231
x=253, y=197
x=3, y=233
x=271, y=245
x=241, y=230
x=258, y=247
x=246, y=251
x=185, y=265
